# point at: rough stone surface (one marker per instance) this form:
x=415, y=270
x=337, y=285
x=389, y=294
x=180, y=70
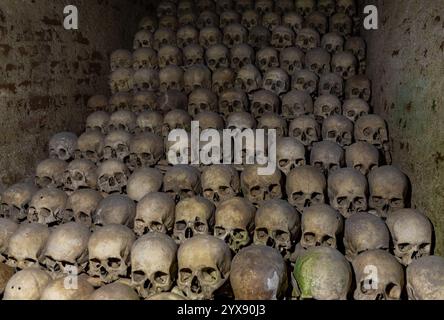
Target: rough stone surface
x=47, y=73
x=405, y=63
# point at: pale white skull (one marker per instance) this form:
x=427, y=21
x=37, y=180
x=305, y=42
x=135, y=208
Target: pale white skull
x=202, y=100
x=121, y=80
x=344, y=64
x=241, y=55
x=273, y=121
x=228, y=17
x=193, y=54
x=65, y=249
x=117, y=144
x=109, y=250
x=317, y=21
x=355, y=108
x=290, y=153
x=120, y=101
x=112, y=176
x=121, y=58
x=424, y=279
x=156, y=272
x=222, y=80
x=412, y=235
x=90, y=146
x=98, y=121
x=293, y=20
x=338, y=129
x=250, y=19
x=15, y=201
x=282, y=37
x=362, y=156
x=204, y=266
x=271, y=20
x=163, y=37
x=358, y=86
x=26, y=244
x=264, y=101
x=206, y=19
x=308, y=39
x=220, y=183
x=143, y=101
x=62, y=146
x=82, y=205
x=389, y=189
x=318, y=61
x=257, y=188
x=232, y=100
x=181, y=182
x=347, y=191
x=122, y=120
x=48, y=206
x=145, y=58
x=372, y=128
x=57, y=290
x=277, y=225
x=291, y=59
x=80, y=174
x=171, y=78
x=155, y=213
x=142, y=182
x=267, y=58
x=306, y=130
x=259, y=37
x=234, y=222
x=196, y=77
x=210, y=36
x=363, y=232
x=326, y=106
x=321, y=227
x=341, y=23
x=331, y=84
x=234, y=34
x=327, y=156
x=217, y=56
x=385, y=281
x=27, y=284
x=97, y=103
x=305, y=80
x=194, y=216
x=146, y=150
x=306, y=186
x=49, y=173
x=148, y=23
x=333, y=42
x=143, y=39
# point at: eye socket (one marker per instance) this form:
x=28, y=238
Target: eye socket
x=161, y=277
x=200, y=226
x=341, y=201
x=185, y=274
x=395, y=202
x=282, y=236
x=209, y=275
x=219, y=231
x=377, y=200
x=138, y=276
x=114, y=263
x=180, y=225
x=309, y=237
x=327, y=240
x=240, y=234
x=404, y=247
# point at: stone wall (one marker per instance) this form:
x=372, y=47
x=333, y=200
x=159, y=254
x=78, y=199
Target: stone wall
x=47, y=73
x=406, y=64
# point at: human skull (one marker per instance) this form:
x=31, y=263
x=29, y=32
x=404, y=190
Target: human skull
x=277, y=225
x=121, y=80
x=308, y=39
x=222, y=80
x=305, y=80
x=257, y=188
x=121, y=59
x=264, y=101
x=326, y=106
x=171, y=78
x=143, y=101
x=263, y=6
x=389, y=189
x=344, y=64
x=290, y=153
x=282, y=37
x=197, y=77
x=250, y=19
x=204, y=266
x=48, y=206
x=82, y=205
x=143, y=39
x=248, y=79
x=306, y=186
x=169, y=22
x=210, y=36
x=217, y=56
x=80, y=174
x=358, y=86
x=188, y=18
x=98, y=121
x=122, y=120
x=207, y=18
x=224, y=5
x=338, y=129
x=234, y=34
x=293, y=20
x=194, y=216
x=411, y=234
x=146, y=80
x=317, y=60
x=317, y=21
x=115, y=292
x=202, y=100
x=372, y=128
x=322, y=273
x=378, y=276
x=26, y=244
x=347, y=191
x=142, y=182
x=97, y=103
x=112, y=176
x=49, y=173
x=267, y=58
x=259, y=37
x=62, y=146
x=327, y=156
x=209, y=120
x=156, y=272
x=331, y=84
x=171, y=100
x=90, y=146
x=146, y=150
x=333, y=42
x=7, y=229
x=271, y=20
x=193, y=54
x=234, y=222
x=27, y=284
x=65, y=249
x=362, y=156
x=163, y=37
x=241, y=121
x=166, y=8
x=155, y=213
x=276, y=80
x=228, y=17
x=181, y=182
x=357, y=46
x=363, y=232
x=305, y=7
x=145, y=58
x=273, y=121
x=176, y=119
x=424, y=279
x=327, y=7
x=232, y=100
x=120, y=101
x=341, y=23
x=117, y=144
x=109, y=252
x=306, y=130
x=321, y=226
x=258, y=273
x=58, y=290
x=15, y=201
x=291, y=59
x=148, y=23
x=355, y=108
x=220, y=183
x=241, y=55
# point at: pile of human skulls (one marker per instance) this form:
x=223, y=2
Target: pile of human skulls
x=334, y=221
